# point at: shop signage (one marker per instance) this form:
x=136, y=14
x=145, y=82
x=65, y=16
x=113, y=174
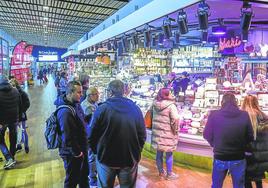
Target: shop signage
x=229, y=43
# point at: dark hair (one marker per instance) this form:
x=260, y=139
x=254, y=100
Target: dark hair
x=71, y=86
x=164, y=94
x=228, y=98
x=116, y=87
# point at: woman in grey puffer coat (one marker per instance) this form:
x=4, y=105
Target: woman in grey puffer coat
x=165, y=131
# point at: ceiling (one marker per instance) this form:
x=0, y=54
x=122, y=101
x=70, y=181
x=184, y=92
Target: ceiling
x=54, y=23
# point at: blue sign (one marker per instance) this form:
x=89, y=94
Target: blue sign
x=48, y=54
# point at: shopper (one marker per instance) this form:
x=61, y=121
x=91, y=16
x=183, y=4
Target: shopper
x=85, y=84
x=63, y=83
x=117, y=138
x=24, y=105
x=257, y=157
x=89, y=106
x=228, y=131
x=9, y=105
x=73, y=149
x=165, y=131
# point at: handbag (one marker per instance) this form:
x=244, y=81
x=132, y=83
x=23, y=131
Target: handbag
x=148, y=118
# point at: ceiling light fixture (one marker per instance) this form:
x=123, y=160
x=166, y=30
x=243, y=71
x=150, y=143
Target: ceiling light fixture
x=204, y=37
x=219, y=30
x=246, y=16
x=167, y=27
x=45, y=7
x=244, y=36
x=203, y=14
x=182, y=22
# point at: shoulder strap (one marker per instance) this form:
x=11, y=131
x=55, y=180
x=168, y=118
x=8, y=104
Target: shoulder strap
x=66, y=106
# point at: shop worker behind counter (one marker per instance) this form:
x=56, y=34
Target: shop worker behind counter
x=228, y=131
x=117, y=137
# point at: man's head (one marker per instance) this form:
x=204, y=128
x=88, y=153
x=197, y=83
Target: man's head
x=115, y=88
x=74, y=91
x=228, y=98
x=92, y=94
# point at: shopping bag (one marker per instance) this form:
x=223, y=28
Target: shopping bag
x=148, y=119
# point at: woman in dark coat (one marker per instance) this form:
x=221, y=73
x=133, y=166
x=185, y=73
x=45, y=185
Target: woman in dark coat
x=257, y=158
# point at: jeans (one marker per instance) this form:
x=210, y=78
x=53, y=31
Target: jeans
x=24, y=134
x=169, y=161
x=106, y=176
x=92, y=167
x=76, y=170
x=8, y=154
x=236, y=169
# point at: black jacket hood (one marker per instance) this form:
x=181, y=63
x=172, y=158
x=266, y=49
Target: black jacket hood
x=5, y=86
x=119, y=104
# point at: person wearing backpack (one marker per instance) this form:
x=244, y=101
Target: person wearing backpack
x=24, y=106
x=73, y=147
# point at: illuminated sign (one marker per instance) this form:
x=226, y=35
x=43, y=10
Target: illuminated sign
x=229, y=43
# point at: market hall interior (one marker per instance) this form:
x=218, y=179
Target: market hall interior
x=42, y=168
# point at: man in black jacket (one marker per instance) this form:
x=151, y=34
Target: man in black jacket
x=117, y=137
x=228, y=131
x=9, y=106
x=73, y=149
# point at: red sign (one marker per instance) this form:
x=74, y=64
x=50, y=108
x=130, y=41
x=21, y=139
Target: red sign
x=20, y=61
x=229, y=43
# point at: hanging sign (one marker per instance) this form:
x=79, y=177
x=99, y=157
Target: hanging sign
x=229, y=43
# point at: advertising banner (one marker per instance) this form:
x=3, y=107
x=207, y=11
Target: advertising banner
x=21, y=61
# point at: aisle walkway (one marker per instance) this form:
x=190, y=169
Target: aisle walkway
x=44, y=169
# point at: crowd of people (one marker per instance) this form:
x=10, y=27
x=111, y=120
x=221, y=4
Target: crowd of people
x=102, y=141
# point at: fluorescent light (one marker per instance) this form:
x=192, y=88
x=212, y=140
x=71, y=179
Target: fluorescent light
x=45, y=18
x=45, y=7
x=45, y=25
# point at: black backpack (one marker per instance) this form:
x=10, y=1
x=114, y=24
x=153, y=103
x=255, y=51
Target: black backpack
x=52, y=131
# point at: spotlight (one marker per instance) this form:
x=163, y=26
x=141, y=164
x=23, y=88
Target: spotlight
x=160, y=38
x=124, y=44
x=109, y=46
x=134, y=40
x=147, y=38
x=115, y=44
x=246, y=17
x=182, y=22
x=177, y=38
x=202, y=13
x=245, y=36
x=167, y=31
x=204, y=37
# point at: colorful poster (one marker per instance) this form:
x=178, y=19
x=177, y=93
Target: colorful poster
x=21, y=61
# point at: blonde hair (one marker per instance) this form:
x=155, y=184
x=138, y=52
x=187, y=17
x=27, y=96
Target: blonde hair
x=251, y=105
